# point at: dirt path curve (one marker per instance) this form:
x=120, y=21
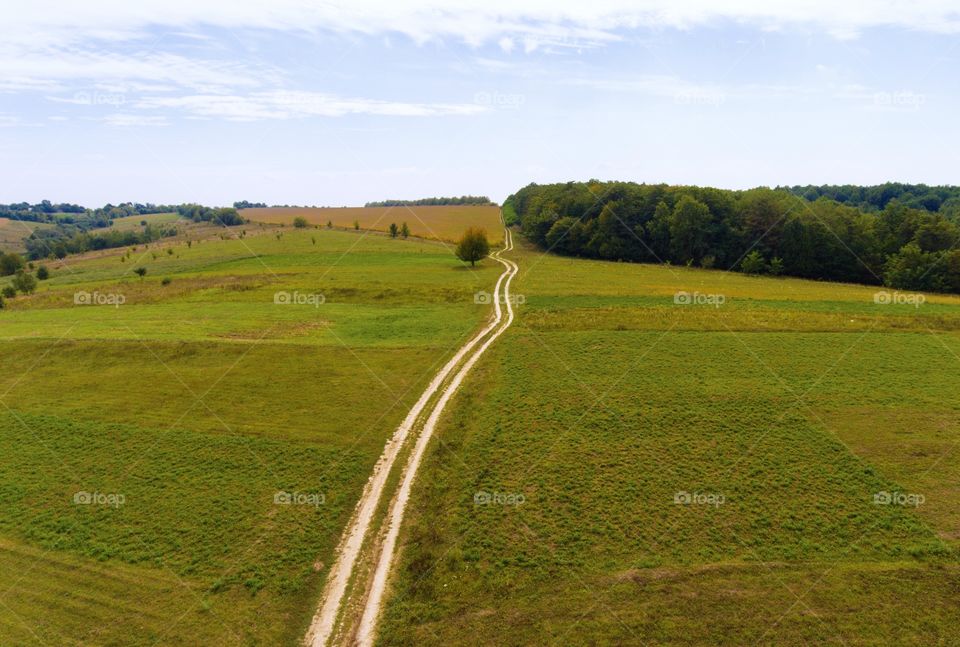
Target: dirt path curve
x=374, y=601
x=324, y=622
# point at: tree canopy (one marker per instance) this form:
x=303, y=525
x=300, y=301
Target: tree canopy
x=473, y=246
x=875, y=235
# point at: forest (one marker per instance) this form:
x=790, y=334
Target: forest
x=899, y=235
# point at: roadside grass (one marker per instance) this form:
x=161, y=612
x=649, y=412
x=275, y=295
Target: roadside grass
x=607, y=407
x=198, y=400
x=438, y=222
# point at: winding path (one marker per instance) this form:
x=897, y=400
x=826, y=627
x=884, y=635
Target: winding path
x=371, y=597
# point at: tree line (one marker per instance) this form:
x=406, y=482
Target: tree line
x=58, y=243
x=875, y=198
x=902, y=244
x=427, y=202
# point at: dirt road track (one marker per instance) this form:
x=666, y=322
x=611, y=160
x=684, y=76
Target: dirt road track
x=324, y=623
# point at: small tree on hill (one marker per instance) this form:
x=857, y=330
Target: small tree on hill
x=473, y=246
x=404, y=230
x=356, y=225
x=754, y=263
x=43, y=273
x=140, y=271
x=10, y=263
x=776, y=266
x=393, y=230
x=24, y=282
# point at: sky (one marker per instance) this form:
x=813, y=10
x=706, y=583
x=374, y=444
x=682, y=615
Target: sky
x=340, y=103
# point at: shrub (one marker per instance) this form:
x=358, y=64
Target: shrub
x=24, y=282
x=9, y=292
x=300, y=222
x=753, y=263
x=10, y=263
x=43, y=273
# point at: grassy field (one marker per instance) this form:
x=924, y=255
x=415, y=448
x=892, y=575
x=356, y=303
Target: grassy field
x=12, y=233
x=133, y=223
x=626, y=469
x=434, y=222
x=183, y=403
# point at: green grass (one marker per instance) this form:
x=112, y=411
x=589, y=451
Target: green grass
x=795, y=401
x=132, y=223
x=198, y=400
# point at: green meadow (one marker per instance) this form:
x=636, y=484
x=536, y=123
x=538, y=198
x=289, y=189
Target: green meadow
x=674, y=456
x=240, y=367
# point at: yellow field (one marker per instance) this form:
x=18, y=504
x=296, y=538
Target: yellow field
x=12, y=233
x=435, y=222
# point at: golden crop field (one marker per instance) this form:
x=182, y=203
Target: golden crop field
x=434, y=222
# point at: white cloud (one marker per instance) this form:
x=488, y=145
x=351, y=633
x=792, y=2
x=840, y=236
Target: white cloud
x=126, y=120
x=53, y=68
x=50, y=22
x=281, y=104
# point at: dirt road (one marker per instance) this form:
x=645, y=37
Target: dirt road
x=369, y=598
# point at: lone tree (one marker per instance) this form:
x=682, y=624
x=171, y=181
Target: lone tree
x=393, y=230
x=140, y=271
x=24, y=282
x=404, y=230
x=473, y=246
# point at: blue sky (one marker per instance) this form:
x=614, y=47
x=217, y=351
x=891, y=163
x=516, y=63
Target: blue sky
x=338, y=104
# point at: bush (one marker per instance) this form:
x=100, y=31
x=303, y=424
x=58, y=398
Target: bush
x=776, y=266
x=24, y=282
x=166, y=281
x=43, y=273
x=300, y=222
x=9, y=292
x=10, y=263
x=753, y=263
